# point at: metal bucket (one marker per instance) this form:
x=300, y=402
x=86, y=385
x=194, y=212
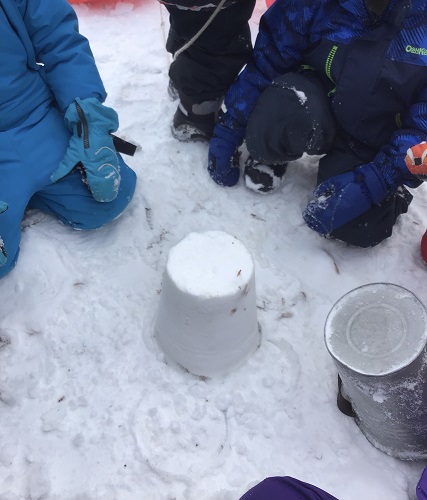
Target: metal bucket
x=377, y=336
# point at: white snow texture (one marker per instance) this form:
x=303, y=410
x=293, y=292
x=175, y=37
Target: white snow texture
x=90, y=409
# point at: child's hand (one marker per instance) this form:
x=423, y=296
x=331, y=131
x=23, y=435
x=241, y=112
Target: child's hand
x=344, y=197
x=223, y=159
x=91, y=148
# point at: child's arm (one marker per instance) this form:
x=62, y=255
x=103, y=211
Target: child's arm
x=69, y=65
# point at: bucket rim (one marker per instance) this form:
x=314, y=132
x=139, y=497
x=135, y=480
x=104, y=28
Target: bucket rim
x=359, y=371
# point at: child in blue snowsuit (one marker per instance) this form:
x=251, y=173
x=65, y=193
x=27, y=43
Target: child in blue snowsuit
x=51, y=120
x=346, y=79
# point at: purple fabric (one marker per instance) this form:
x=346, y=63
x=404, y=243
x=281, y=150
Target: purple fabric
x=288, y=488
x=422, y=486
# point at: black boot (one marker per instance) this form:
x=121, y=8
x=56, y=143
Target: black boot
x=194, y=121
x=262, y=178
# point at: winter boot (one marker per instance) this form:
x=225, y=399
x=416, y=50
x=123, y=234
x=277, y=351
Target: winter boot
x=195, y=121
x=262, y=178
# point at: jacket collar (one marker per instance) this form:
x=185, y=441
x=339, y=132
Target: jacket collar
x=395, y=12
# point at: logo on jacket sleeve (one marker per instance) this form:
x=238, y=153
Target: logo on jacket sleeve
x=416, y=160
x=422, y=51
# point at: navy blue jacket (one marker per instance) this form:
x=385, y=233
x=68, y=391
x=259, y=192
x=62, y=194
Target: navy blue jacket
x=46, y=60
x=375, y=69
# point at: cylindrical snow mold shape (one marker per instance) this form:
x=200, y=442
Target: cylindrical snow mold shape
x=377, y=337
x=207, y=320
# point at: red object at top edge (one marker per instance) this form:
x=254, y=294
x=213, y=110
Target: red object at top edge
x=424, y=247
x=269, y=3
x=98, y=3
x=94, y=2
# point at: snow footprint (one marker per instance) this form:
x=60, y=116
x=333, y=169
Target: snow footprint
x=179, y=435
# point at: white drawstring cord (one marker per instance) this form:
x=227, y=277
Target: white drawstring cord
x=201, y=30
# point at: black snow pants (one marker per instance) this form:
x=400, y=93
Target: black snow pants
x=207, y=68
x=292, y=117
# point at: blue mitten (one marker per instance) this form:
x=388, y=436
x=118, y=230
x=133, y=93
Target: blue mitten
x=223, y=159
x=91, y=148
x=344, y=197
x=3, y=256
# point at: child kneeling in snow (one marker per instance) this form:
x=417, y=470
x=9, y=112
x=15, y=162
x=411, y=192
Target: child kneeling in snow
x=345, y=79
x=52, y=120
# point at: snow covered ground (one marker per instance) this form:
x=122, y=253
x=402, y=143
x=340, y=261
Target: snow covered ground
x=90, y=409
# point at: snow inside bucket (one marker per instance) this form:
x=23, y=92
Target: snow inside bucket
x=377, y=337
x=207, y=319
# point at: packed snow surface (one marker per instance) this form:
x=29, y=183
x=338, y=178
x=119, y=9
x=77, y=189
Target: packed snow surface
x=210, y=264
x=89, y=407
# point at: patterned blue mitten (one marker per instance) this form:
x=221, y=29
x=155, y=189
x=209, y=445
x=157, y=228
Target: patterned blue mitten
x=223, y=159
x=91, y=148
x=344, y=197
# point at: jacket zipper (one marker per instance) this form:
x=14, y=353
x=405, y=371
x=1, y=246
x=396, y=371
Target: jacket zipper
x=328, y=66
x=85, y=125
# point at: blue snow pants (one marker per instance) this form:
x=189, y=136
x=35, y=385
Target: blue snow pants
x=29, y=154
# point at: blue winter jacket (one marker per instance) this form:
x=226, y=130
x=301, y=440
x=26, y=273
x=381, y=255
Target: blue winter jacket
x=374, y=69
x=45, y=60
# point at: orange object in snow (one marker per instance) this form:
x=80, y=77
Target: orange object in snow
x=416, y=159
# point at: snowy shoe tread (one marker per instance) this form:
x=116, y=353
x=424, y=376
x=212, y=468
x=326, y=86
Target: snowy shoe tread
x=262, y=178
x=192, y=127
